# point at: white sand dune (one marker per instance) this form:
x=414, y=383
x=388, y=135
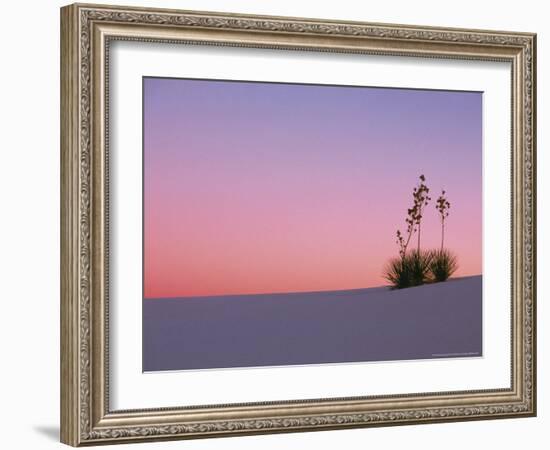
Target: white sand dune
x=374, y=324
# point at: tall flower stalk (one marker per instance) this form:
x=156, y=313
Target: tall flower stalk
x=414, y=217
x=442, y=205
x=421, y=199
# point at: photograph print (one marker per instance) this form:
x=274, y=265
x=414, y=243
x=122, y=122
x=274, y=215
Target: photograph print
x=294, y=224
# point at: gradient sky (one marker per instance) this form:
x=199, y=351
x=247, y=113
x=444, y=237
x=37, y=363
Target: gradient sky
x=262, y=187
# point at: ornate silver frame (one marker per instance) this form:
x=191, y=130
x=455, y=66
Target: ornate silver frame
x=86, y=31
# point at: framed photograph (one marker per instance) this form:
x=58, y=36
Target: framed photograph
x=276, y=224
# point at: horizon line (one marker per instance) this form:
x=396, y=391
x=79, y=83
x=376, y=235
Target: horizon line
x=326, y=291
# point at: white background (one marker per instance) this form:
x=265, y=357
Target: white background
x=29, y=225
x=132, y=389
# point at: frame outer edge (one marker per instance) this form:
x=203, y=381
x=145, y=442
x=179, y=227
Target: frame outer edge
x=534, y=164
x=535, y=374
x=81, y=414
x=69, y=311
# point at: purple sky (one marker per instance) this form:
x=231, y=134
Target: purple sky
x=262, y=187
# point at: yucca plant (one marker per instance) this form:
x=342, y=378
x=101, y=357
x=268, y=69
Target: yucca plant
x=410, y=270
x=420, y=263
x=398, y=273
x=443, y=263
x=416, y=267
